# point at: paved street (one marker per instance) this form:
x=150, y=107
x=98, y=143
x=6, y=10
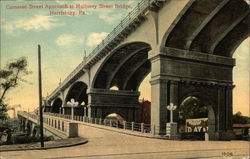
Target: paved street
x=105, y=144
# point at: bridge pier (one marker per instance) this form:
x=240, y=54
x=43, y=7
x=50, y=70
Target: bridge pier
x=103, y=102
x=178, y=74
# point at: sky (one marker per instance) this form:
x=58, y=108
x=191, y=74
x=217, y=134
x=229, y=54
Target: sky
x=64, y=38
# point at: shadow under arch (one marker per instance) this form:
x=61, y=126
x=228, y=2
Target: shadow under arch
x=78, y=92
x=57, y=104
x=219, y=31
x=129, y=61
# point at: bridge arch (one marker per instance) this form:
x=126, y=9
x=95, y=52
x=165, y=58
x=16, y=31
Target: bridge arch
x=78, y=92
x=57, y=104
x=210, y=105
x=205, y=26
x=121, y=115
x=125, y=67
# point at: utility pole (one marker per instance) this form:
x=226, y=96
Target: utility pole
x=40, y=96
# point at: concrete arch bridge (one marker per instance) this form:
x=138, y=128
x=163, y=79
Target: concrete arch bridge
x=187, y=45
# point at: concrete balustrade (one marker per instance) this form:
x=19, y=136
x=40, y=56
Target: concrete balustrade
x=124, y=125
x=65, y=127
x=142, y=127
x=117, y=123
x=110, y=122
x=132, y=126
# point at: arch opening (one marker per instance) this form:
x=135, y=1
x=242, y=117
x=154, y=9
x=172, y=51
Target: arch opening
x=114, y=88
x=57, y=104
x=195, y=117
x=115, y=118
x=124, y=68
x=78, y=92
x=144, y=111
x=241, y=78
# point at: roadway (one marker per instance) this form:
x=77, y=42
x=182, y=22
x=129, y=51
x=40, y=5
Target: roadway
x=106, y=144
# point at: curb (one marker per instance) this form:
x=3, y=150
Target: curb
x=45, y=148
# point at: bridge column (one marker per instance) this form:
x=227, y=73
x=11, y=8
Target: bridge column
x=164, y=90
x=22, y=123
x=32, y=128
x=177, y=74
x=224, y=114
x=158, y=105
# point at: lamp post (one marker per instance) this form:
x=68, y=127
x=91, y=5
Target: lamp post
x=171, y=108
x=171, y=127
x=72, y=104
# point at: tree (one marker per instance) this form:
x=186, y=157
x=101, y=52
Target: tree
x=191, y=108
x=239, y=119
x=10, y=77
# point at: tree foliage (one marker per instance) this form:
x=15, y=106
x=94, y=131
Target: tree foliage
x=238, y=118
x=10, y=77
x=192, y=108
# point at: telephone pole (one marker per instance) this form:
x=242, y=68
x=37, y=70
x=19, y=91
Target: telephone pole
x=40, y=96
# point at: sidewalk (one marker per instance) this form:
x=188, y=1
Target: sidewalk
x=47, y=145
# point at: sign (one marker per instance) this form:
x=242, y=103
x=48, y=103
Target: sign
x=196, y=125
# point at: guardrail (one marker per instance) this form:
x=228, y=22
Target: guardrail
x=140, y=8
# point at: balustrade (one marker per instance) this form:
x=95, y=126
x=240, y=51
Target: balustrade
x=62, y=123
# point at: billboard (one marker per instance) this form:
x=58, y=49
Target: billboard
x=196, y=125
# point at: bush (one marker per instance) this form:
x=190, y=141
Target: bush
x=29, y=139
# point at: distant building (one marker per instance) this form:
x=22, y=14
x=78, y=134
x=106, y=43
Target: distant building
x=241, y=129
x=144, y=111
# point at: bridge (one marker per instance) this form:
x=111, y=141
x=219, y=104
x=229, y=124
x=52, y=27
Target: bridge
x=186, y=45
x=108, y=140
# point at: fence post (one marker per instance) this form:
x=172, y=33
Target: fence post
x=142, y=127
x=95, y=120
x=117, y=123
x=110, y=122
x=132, y=126
x=100, y=121
x=124, y=125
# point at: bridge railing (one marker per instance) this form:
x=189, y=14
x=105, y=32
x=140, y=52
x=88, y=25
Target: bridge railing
x=28, y=114
x=130, y=126
x=54, y=122
x=139, y=9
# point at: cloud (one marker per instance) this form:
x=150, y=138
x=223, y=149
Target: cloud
x=68, y=39
x=108, y=15
x=110, y=18
x=95, y=38
x=131, y=1
x=60, y=1
x=36, y=23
